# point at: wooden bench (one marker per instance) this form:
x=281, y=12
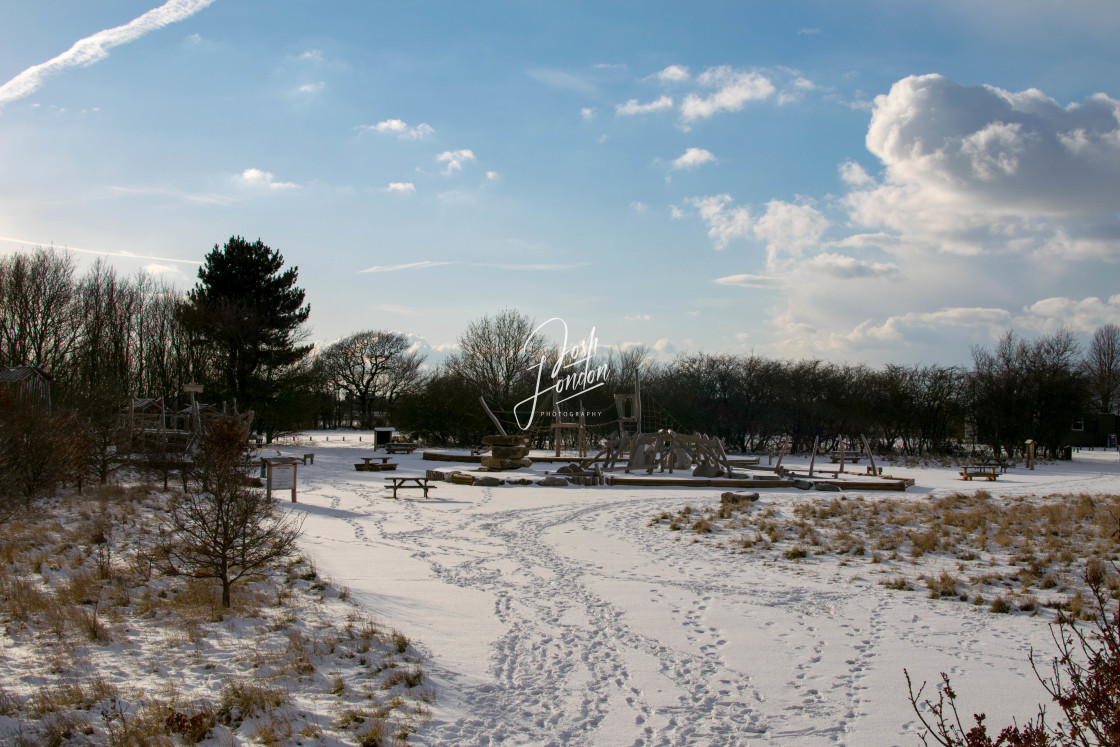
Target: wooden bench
x=853, y=458
x=369, y=465
x=410, y=483
x=988, y=473
x=399, y=447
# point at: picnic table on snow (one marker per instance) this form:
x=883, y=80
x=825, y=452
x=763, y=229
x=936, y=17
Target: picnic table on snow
x=988, y=472
x=410, y=483
x=369, y=466
x=400, y=447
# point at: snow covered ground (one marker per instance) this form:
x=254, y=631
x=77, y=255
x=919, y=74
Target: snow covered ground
x=558, y=616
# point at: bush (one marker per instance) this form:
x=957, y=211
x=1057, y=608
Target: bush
x=1084, y=682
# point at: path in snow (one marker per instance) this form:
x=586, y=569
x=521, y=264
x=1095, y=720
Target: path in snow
x=556, y=616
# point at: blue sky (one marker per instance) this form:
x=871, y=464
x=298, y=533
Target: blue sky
x=865, y=181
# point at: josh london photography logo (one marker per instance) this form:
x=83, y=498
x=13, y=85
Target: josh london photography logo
x=573, y=374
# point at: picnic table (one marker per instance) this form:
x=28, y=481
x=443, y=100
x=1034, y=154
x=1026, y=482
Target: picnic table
x=400, y=447
x=369, y=465
x=989, y=473
x=410, y=483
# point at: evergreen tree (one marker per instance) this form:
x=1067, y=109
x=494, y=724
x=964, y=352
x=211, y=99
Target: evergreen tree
x=250, y=315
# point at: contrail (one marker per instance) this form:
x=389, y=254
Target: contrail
x=95, y=48
x=102, y=252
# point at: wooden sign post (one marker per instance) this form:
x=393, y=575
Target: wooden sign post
x=280, y=474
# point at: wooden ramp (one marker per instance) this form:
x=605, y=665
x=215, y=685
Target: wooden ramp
x=684, y=482
x=439, y=456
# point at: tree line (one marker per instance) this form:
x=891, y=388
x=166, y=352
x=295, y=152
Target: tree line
x=241, y=332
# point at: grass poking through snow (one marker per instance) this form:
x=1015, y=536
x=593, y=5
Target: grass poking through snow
x=1017, y=554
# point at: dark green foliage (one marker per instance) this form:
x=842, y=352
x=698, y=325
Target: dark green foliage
x=249, y=314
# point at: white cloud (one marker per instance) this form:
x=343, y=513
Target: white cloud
x=639, y=207
x=976, y=168
x=95, y=48
x=454, y=160
x=673, y=74
x=749, y=281
x=632, y=107
x=312, y=55
x=587, y=113
x=194, y=38
x=402, y=187
x=726, y=222
x=1086, y=315
x=843, y=267
x=310, y=89
x=259, y=178
x=789, y=230
x=808, y=31
x=692, y=158
x=637, y=317
x=399, y=128
x=159, y=269
x=664, y=347
x=735, y=88
x=855, y=175
x=898, y=328
x=493, y=176
x=408, y=266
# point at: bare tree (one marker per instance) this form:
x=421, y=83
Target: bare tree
x=497, y=356
x=38, y=325
x=39, y=449
x=371, y=366
x=1102, y=367
x=222, y=528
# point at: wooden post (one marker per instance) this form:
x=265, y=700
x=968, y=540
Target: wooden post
x=870, y=458
x=813, y=458
x=497, y=425
x=637, y=403
x=781, y=453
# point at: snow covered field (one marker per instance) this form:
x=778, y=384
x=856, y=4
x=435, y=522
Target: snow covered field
x=557, y=616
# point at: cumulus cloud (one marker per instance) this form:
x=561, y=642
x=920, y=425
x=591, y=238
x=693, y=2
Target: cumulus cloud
x=1086, y=315
x=978, y=168
x=95, y=48
x=399, y=128
x=788, y=229
x=638, y=206
x=454, y=160
x=734, y=89
x=673, y=74
x=897, y=329
x=726, y=222
x=632, y=107
x=692, y=158
x=402, y=187
x=266, y=179
x=587, y=113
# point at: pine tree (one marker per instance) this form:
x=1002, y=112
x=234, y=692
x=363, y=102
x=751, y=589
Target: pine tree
x=250, y=314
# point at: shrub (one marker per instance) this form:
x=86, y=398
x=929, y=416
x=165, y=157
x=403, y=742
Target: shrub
x=1084, y=681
